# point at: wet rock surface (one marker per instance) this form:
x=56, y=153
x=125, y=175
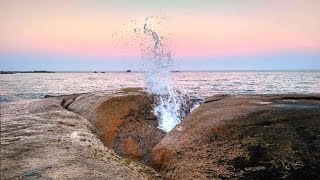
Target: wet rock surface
x=124, y=121
x=42, y=140
x=81, y=136
x=127, y=125
x=245, y=137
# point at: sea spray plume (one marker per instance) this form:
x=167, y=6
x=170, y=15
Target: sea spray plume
x=171, y=105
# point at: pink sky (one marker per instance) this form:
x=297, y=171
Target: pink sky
x=85, y=28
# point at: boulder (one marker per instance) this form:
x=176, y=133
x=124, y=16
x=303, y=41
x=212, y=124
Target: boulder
x=124, y=120
x=245, y=137
x=127, y=125
x=81, y=136
x=42, y=140
x=86, y=104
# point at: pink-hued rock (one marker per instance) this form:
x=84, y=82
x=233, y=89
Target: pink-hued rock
x=42, y=140
x=244, y=137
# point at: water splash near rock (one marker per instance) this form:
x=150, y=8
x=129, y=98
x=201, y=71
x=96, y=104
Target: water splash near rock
x=157, y=63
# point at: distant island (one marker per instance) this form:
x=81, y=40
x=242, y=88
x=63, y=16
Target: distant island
x=14, y=72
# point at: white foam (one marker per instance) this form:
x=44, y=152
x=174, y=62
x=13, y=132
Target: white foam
x=157, y=63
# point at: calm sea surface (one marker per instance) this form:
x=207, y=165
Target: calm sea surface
x=15, y=87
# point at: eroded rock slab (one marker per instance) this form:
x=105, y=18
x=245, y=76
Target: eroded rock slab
x=245, y=137
x=42, y=140
x=124, y=120
x=127, y=125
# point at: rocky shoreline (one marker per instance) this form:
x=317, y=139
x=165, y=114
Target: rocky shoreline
x=115, y=136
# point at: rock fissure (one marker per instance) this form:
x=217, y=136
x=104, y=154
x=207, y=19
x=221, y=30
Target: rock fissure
x=231, y=136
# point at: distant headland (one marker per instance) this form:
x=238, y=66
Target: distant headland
x=14, y=72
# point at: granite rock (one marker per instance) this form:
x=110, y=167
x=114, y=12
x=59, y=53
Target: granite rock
x=245, y=137
x=42, y=140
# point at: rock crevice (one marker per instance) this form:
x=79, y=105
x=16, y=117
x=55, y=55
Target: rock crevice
x=83, y=136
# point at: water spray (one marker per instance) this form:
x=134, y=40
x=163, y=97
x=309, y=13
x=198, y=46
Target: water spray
x=157, y=62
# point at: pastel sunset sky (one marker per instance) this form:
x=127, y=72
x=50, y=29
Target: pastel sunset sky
x=204, y=34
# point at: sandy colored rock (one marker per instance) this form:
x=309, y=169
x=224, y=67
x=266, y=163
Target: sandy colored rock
x=42, y=140
x=245, y=137
x=127, y=125
x=124, y=120
x=227, y=137
x=86, y=104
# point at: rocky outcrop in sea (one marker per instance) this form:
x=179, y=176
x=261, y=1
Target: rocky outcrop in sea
x=40, y=139
x=103, y=135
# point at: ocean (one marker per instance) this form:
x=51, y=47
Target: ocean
x=20, y=86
